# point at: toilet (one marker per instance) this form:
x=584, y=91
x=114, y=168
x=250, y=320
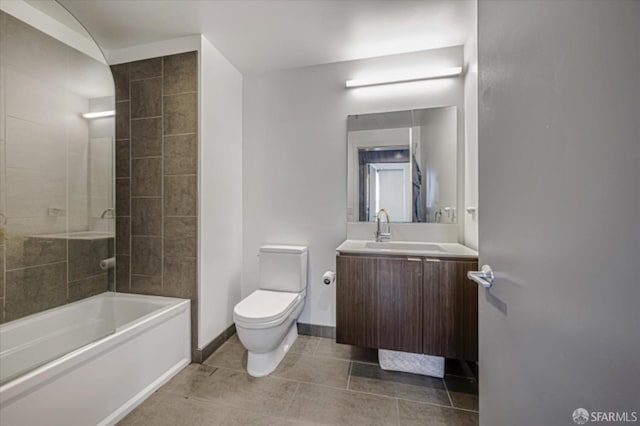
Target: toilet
x=266, y=319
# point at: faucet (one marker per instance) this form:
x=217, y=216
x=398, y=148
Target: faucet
x=380, y=236
x=106, y=212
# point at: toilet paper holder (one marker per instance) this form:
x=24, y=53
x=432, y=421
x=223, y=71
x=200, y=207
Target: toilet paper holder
x=329, y=277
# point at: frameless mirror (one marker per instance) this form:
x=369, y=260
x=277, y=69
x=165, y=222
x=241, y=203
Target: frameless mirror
x=404, y=162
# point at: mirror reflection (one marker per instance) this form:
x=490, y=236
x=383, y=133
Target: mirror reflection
x=404, y=162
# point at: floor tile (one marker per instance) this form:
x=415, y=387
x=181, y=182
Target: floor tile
x=372, y=379
x=164, y=409
x=327, y=406
x=305, y=345
x=267, y=395
x=311, y=369
x=329, y=348
x=463, y=392
x=234, y=339
x=229, y=355
x=415, y=413
x=187, y=380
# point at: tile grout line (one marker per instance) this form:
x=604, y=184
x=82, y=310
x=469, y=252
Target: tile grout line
x=162, y=179
x=447, y=390
x=349, y=375
x=130, y=179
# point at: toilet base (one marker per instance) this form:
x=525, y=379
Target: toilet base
x=260, y=365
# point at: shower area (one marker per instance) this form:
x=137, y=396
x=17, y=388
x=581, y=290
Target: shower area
x=63, y=328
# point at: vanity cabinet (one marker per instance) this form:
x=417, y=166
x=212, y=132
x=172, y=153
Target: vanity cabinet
x=411, y=304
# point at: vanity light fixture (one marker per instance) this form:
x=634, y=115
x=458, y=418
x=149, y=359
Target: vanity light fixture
x=99, y=114
x=424, y=74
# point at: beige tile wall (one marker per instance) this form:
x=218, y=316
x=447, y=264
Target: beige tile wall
x=156, y=177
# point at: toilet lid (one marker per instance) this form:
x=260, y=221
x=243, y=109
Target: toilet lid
x=265, y=305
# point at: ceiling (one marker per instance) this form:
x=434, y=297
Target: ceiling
x=264, y=35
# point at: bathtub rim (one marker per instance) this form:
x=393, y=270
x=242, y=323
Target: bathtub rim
x=49, y=371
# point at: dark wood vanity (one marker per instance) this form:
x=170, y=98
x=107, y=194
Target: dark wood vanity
x=408, y=303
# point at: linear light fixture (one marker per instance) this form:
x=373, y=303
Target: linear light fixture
x=99, y=114
x=424, y=74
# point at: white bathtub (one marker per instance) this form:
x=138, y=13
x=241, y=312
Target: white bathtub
x=92, y=361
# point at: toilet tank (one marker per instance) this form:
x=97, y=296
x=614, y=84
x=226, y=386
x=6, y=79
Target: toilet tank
x=283, y=268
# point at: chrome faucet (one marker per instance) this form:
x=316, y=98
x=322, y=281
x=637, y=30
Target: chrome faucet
x=106, y=212
x=380, y=236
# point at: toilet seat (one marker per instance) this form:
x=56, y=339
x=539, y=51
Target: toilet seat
x=265, y=308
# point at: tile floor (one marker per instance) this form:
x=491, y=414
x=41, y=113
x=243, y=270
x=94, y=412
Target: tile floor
x=318, y=382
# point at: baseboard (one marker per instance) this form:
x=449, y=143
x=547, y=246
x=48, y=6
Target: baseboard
x=199, y=355
x=317, y=330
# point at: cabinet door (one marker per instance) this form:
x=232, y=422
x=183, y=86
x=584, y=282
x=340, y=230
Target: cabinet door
x=356, y=301
x=400, y=304
x=450, y=310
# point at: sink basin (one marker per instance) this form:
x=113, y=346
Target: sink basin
x=407, y=248
x=402, y=245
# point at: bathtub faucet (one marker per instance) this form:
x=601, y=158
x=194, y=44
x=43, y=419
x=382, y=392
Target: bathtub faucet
x=380, y=236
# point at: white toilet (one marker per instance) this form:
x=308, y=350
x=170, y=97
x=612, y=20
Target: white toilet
x=266, y=319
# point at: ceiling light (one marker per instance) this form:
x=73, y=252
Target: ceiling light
x=424, y=74
x=99, y=114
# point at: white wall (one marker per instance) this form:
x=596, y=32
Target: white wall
x=470, y=221
x=295, y=156
x=220, y=193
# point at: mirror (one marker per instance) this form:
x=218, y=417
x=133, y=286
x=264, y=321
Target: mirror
x=404, y=162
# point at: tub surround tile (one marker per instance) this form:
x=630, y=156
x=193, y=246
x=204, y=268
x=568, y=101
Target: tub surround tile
x=123, y=197
x=146, y=256
x=123, y=234
x=181, y=73
x=179, y=274
x=122, y=158
x=180, y=114
x=146, y=137
x=157, y=117
x=180, y=236
x=88, y=287
x=122, y=120
x=146, y=216
x=180, y=195
x=181, y=155
x=85, y=257
x=35, y=289
x=146, y=68
x=415, y=413
x=123, y=265
x=141, y=284
x=22, y=252
x=121, y=79
x=146, y=98
x=146, y=177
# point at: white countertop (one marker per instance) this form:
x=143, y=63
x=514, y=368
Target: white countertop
x=409, y=248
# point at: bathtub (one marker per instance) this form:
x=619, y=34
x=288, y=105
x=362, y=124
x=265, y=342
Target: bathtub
x=91, y=362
